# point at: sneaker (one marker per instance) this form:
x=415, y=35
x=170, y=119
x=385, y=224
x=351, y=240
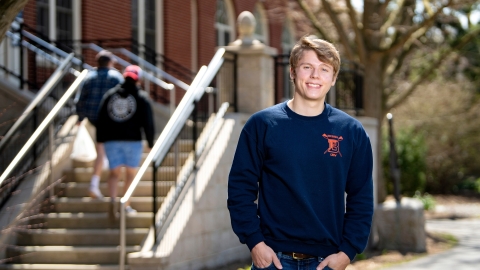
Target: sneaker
x=130, y=210
x=95, y=193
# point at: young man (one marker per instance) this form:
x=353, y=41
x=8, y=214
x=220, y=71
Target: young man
x=310, y=167
x=97, y=83
x=124, y=113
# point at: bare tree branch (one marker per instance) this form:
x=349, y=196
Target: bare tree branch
x=362, y=53
x=340, y=30
x=315, y=23
x=394, y=67
x=425, y=24
x=392, y=17
x=428, y=7
x=433, y=66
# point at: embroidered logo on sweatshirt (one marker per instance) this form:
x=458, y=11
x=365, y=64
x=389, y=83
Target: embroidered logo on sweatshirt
x=333, y=144
x=121, y=109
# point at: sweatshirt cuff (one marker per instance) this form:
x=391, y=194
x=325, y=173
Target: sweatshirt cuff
x=254, y=239
x=348, y=249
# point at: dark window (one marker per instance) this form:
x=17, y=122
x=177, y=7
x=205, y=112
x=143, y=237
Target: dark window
x=43, y=18
x=135, y=25
x=64, y=20
x=150, y=24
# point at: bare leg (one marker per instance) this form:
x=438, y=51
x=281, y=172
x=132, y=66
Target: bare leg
x=113, y=182
x=112, y=188
x=131, y=172
x=98, y=166
x=97, y=172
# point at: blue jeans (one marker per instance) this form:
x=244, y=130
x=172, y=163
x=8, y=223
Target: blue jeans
x=290, y=263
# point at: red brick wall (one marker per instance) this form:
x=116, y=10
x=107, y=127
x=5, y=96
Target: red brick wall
x=276, y=17
x=177, y=36
x=243, y=5
x=177, y=31
x=30, y=14
x=112, y=20
x=105, y=20
x=206, y=31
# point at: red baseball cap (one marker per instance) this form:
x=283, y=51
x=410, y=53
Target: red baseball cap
x=133, y=71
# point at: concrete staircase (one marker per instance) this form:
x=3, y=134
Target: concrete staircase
x=74, y=231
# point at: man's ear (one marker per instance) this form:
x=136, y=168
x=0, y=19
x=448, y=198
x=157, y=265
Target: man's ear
x=334, y=81
x=292, y=73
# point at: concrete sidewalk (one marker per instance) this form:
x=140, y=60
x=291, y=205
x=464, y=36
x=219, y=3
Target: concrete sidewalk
x=465, y=256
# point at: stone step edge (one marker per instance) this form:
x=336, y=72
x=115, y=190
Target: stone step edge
x=62, y=266
x=84, y=231
x=74, y=249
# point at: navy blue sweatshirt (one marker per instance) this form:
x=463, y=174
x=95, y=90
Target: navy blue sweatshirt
x=301, y=168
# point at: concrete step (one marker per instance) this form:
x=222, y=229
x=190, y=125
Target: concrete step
x=79, y=237
x=81, y=189
x=61, y=266
x=77, y=233
x=168, y=161
x=85, y=174
x=66, y=254
x=89, y=205
x=89, y=221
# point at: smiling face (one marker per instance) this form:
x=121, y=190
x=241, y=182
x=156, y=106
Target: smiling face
x=313, y=78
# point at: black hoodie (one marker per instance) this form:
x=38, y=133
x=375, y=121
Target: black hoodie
x=124, y=111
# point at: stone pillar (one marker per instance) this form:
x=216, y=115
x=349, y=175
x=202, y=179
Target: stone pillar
x=255, y=68
x=400, y=226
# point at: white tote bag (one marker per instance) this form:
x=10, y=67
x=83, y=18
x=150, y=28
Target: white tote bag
x=83, y=146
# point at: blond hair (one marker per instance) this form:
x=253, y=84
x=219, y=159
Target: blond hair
x=326, y=52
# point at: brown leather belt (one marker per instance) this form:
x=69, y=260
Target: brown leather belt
x=298, y=256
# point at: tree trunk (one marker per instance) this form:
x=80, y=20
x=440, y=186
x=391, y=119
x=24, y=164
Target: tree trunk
x=9, y=10
x=373, y=100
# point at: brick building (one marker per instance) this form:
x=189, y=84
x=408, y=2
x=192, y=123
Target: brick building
x=184, y=31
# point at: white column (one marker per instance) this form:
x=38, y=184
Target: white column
x=52, y=13
x=141, y=26
x=77, y=24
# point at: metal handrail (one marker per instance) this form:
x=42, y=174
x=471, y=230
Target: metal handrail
x=54, y=49
x=213, y=67
x=42, y=94
x=157, y=81
x=155, y=69
x=167, y=207
x=168, y=135
x=45, y=123
x=39, y=51
x=97, y=48
x=167, y=86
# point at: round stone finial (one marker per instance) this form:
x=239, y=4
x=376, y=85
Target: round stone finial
x=246, y=27
x=246, y=24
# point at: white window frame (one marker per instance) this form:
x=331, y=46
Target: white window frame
x=76, y=19
x=262, y=24
x=222, y=28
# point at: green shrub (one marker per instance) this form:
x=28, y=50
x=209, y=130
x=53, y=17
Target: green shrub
x=411, y=153
x=427, y=200
x=470, y=185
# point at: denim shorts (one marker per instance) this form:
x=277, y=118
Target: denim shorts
x=289, y=263
x=126, y=153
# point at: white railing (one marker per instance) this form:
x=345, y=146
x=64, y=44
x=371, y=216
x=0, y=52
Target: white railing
x=168, y=136
x=45, y=123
